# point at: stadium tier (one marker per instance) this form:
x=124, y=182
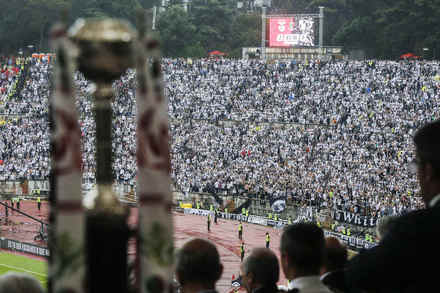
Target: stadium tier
x=336, y=134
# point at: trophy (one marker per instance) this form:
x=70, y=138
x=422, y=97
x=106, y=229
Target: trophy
x=105, y=52
x=90, y=248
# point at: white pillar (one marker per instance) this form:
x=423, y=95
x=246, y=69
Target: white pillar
x=263, y=33
x=154, y=18
x=321, y=26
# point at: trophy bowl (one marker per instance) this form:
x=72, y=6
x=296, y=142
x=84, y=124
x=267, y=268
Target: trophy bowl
x=106, y=48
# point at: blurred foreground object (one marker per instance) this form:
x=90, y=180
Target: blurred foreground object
x=90, y=249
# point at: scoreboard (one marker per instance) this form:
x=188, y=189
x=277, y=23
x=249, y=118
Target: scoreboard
x=285, y=32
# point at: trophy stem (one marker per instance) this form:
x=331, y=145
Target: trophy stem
x=107, y=229
x=103, y=120
x=107, y=244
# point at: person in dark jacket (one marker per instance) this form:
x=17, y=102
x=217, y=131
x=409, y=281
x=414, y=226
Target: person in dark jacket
x=406, y=258
x=332, y=272
x=302, y=249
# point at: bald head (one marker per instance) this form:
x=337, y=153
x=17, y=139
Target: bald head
x=263, y=265
x=198, y=262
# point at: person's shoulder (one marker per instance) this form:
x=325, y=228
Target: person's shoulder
x=417, y=216
x=415, y=223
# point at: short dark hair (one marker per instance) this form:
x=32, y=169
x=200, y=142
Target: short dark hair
x=384, y=225
x=427, y=142
x=263, y=264
x=198, y=261
x=304, y=245
x=335, y=254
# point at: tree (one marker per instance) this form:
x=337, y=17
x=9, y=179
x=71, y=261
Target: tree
x=213, y=23
x=125, y=9
x=246, y=32
x=149, y=3
x=39, y=16
x=176, y=31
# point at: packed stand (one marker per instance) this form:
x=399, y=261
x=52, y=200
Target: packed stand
x=333, y=135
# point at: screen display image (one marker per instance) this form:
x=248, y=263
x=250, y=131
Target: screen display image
x=291, y=32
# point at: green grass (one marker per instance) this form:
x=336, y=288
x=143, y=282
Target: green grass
x=19, y=263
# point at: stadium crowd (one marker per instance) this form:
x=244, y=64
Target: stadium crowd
x=334, y=134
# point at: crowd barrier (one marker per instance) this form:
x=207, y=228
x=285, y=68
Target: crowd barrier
x=352, y=242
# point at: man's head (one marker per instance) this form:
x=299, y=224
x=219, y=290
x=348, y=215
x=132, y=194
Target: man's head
x=260, y=269
x=302, y=250
x=384, y=225
x=13, y=282
x=336, y=255
x=427, y=142
x=198, y=264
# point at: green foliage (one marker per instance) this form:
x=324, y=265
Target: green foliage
x=37, y=16
x=194, y=50
x=382, y=28
x=176, y=31
x=106, y=8
x=388, y=28
x=209, y=25
x=28, y=22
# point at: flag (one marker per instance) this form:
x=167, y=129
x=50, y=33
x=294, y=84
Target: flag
x=278, y=204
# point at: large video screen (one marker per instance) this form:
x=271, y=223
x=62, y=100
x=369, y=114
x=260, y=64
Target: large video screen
x=291, y=32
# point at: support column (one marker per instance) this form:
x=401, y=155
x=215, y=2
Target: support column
x=321, y=27
x=263, y=33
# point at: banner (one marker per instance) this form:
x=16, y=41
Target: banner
x=354, y=219
x=351, y=242
x=42, y=185
x=277, y=224
x=257, y=220
x=14, y=245
x=197, y=212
